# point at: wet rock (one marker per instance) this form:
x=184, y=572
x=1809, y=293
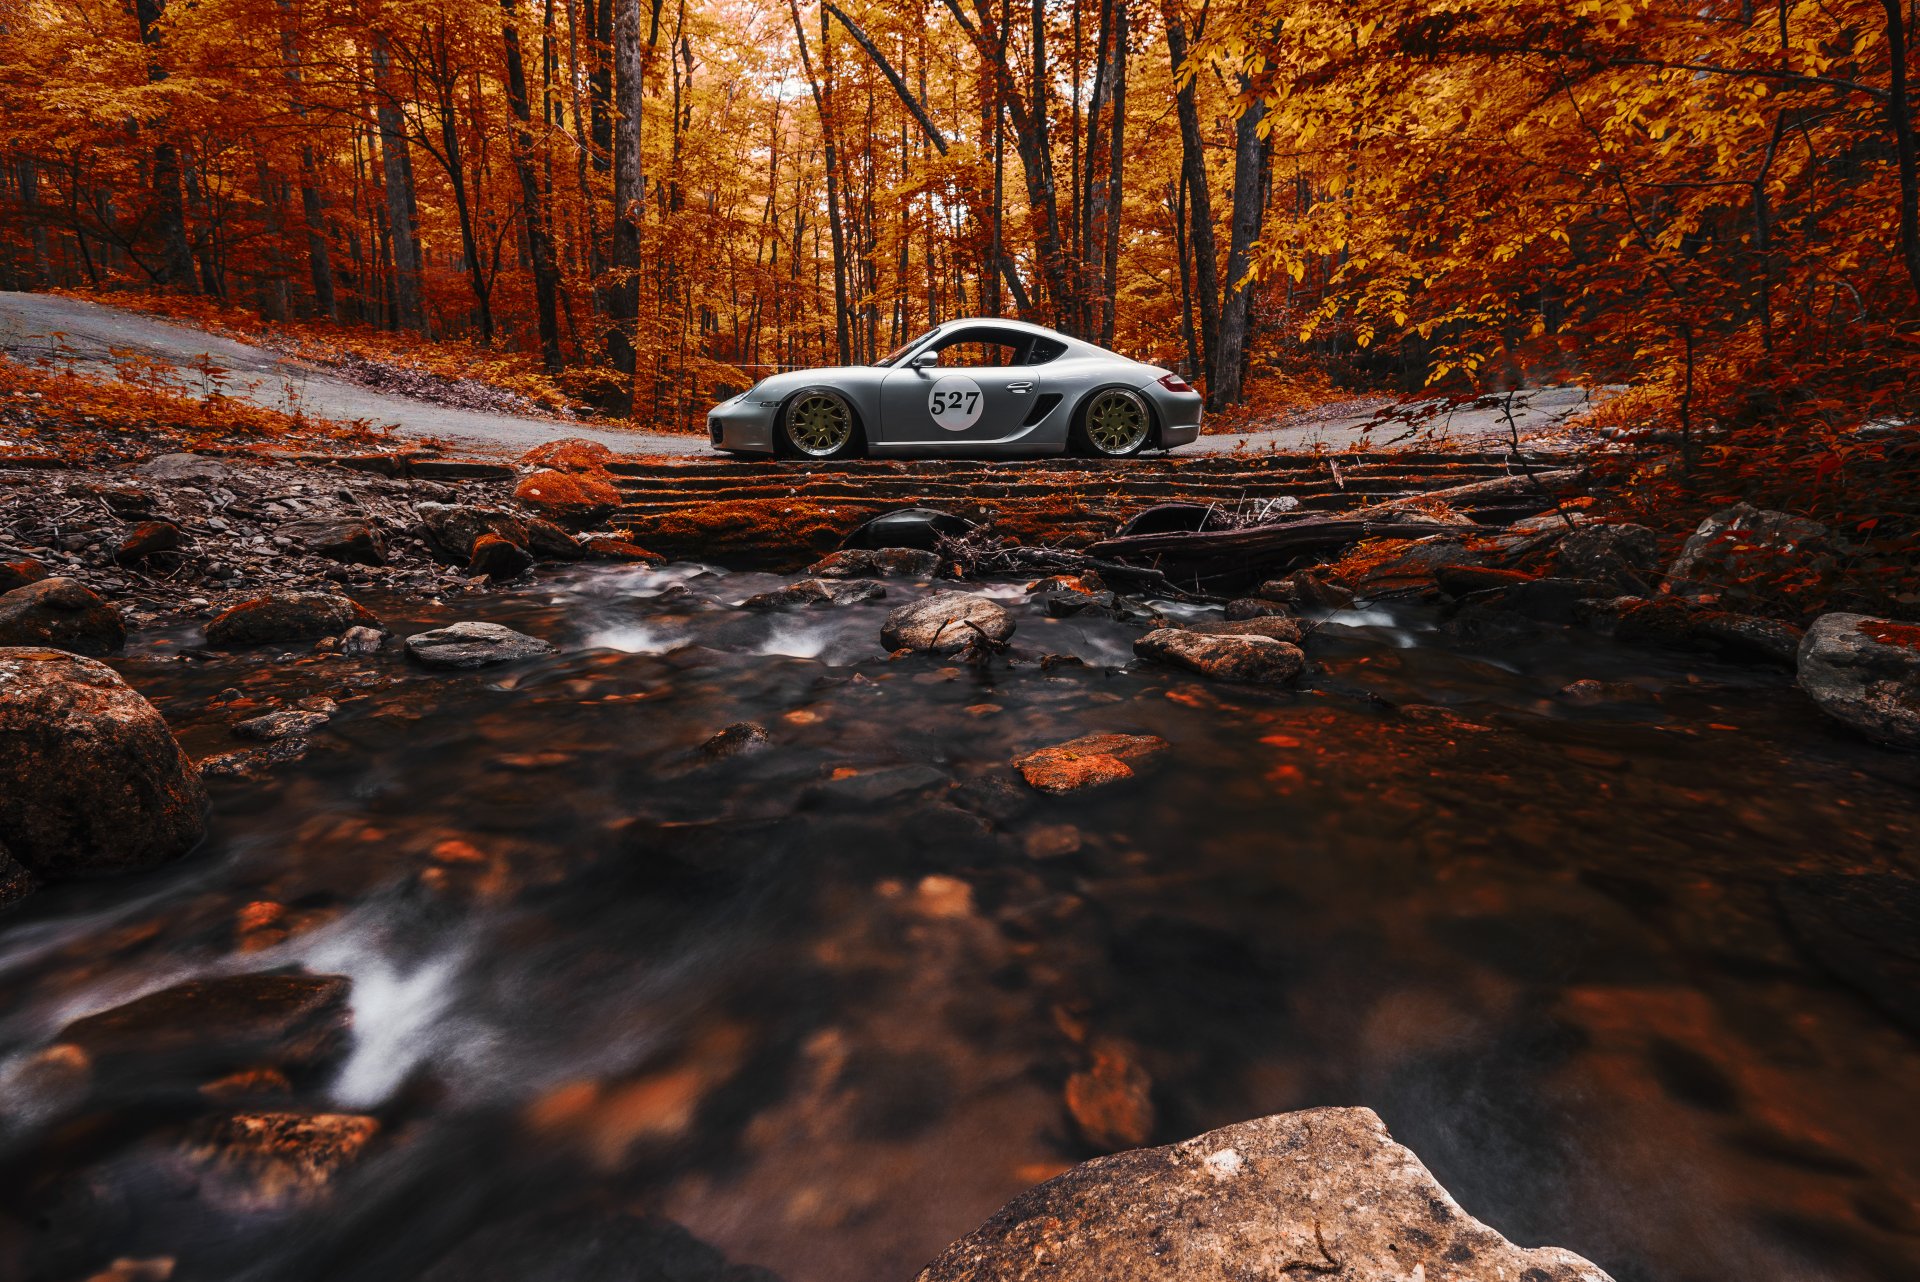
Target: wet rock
x=946, y=623
x=1051, y=841
x=1680, y=623
x=453, y=528
x=16, y=883
x=605, y=549
x=1322, y=1192
x=737, y=740
x=254, y=1163
x=288, y=616
x=1748, y=637
x=349, y=540
x=1092, y=761
x=497, y=558
x=919, y=528
x=91, y=780
x=1743, y=545
x=1409, y=565
x=250, y=763
x=1305, y=590
x=588, y=1246
x=1111, y=1100
x=1625, y=555
x=545, y=539
x=1866, y=672
x=473, y=645
x=568, y=496
x=1474, y=580
x=870, y=787
x=280, y=725
x=207, y=1027
x=1239, y=657
x=19, y=573
x=362, y=640
x=148, y=538
x=1253, y=607
x=808, y=592
x=1067, y=603
x=854, y=563
x=570, y=454
x=62, y=613
x=1280, y=627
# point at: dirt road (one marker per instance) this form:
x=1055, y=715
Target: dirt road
x=93, y=337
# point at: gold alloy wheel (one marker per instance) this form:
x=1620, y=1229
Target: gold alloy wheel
x=819, y=424
x=1117, y=422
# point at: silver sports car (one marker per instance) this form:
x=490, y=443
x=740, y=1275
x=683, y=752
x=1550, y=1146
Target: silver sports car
x=989, y=388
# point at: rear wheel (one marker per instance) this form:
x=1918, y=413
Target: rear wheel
x=1113, y=423
x=820, y=424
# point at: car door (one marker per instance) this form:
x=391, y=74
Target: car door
x=978, y=392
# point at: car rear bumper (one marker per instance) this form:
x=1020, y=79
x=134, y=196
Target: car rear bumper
x=1178, y=413
x=741, y=426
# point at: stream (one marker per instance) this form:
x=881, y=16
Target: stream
x=1597, y=959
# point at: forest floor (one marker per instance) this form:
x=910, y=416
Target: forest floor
x=91, y=337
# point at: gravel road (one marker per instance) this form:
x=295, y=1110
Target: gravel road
x=93, y=336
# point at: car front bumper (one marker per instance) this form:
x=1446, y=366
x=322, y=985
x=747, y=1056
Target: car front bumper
x=742, y=425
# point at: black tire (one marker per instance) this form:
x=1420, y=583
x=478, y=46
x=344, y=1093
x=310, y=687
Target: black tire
x=819, y=423
x=1112, y=422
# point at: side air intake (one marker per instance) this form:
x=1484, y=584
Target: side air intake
x=1041, y=408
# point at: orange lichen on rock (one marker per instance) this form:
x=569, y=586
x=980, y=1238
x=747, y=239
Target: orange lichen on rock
x=1089, y=762
x=569, y=496
x=570, y=454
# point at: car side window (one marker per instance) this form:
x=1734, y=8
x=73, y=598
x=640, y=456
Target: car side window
x=978, y=352
x=1044, y=350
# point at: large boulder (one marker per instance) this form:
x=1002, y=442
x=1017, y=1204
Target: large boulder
x=497, y=558
x=570, y=454
x=946, y=623
x=348, y=539
x=473, y=645
x=569, y=496
x=1321, y=1192
x=1865, y=672
x=19, y=573
x=1741, y=548
x=1236, y=656
x=62, y=613
x=453, y=528
x=91, y=780
x=1279, y=627
x=288, y=616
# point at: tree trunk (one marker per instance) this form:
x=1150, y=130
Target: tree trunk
x=176, y=255
x=1116, y=176
x=319, y=257
x=1900, y=120
x=546, y=278
x=1193, y=170
x=1229, y=360
x=398, y=175
x=629, y=181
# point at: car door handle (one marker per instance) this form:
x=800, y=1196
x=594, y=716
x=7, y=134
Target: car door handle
x=1021, y=388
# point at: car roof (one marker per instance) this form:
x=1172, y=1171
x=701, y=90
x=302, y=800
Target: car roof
x=1001, y=322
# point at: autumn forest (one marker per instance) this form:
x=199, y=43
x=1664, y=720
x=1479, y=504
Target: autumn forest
x=651, y=201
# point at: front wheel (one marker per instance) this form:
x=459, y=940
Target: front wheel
x=1114, y=423
x=819, y=424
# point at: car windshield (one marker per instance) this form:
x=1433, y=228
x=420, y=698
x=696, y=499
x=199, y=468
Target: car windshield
x=894, y=355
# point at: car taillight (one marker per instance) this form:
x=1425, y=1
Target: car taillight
x=1174, y=383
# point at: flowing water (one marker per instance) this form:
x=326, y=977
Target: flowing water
x=1617, y=968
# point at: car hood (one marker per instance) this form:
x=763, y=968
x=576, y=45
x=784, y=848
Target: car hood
x=779, y=386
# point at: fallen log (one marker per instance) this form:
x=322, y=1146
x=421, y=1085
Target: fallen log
x=1266, y=542
x=1501, y=491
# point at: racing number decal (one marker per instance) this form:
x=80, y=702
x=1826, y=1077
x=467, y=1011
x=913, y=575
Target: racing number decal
x=955, y=403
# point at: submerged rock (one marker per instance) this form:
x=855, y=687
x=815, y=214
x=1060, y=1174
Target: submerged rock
x=1111, y=1100
x=92, y=781
x=350, y=540
x=62, y=613
x=1236, y=656
x=946, y=623
x=1866, y=672
x=473, y=645
x=216, y=1025
x=1091, y=761
x=1743, y=545
x=1321, y=1192
x=738, y=740
x=252, y=1163
x=288, y=616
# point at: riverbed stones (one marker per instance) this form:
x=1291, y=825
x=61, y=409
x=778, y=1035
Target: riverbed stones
x=288, y=616
x=347, y=539
x=147, y=539
x=20, y=572
x=568, y=496
x=947, y=623
x=92, y=782
x=1279, y=627
x=1865, y=671
x=206, y=1026
x=856, y=563
x=498, y=558
x=62, y=613
x=272, y=1162
x=1241, y=657
x=1322, y=1192
x=360, y=640
x=1091, y=761
x=817, y=592
x=473, y=645
x=1744, y=545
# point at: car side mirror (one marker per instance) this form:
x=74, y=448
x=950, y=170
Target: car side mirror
x=925, y=360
